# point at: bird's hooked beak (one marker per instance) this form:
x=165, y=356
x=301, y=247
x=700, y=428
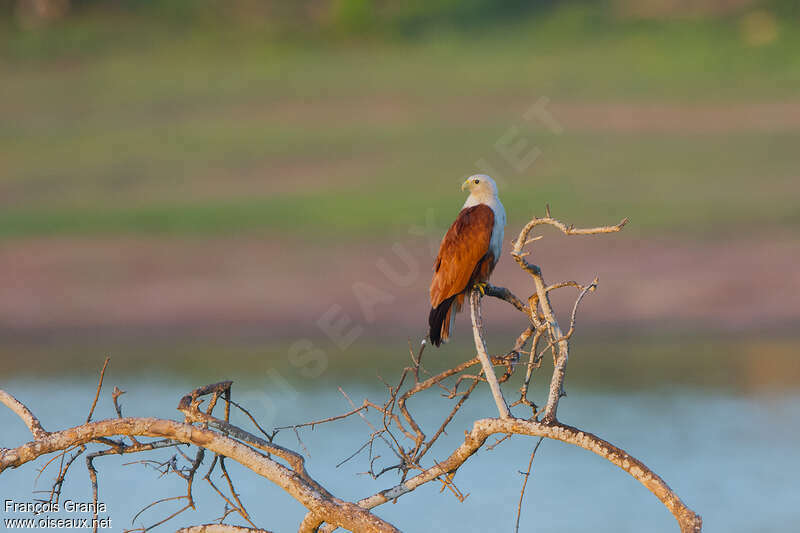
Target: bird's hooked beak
x=465, y=185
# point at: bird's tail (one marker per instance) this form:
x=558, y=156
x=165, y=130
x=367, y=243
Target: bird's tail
x=441, y=317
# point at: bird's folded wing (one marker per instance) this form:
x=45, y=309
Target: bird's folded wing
x=465, y=243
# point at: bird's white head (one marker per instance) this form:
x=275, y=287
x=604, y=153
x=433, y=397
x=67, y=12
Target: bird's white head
x=480, y=186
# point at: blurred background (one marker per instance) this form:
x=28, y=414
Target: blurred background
x=255, y=190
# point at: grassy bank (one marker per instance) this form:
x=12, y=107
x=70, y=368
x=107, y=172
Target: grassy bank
x=736, y=365
x=131, y=124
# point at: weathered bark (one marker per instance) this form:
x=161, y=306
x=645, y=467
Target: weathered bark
x=341, y=513
x=325, y=511
x=483, y=356
x=483, y=429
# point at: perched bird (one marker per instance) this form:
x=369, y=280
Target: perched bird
x=467, y=255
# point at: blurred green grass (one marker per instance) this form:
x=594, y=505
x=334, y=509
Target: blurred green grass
x=115, y=126
x=632, y=361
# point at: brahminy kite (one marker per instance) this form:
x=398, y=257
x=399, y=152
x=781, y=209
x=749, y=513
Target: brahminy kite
x=467, y=255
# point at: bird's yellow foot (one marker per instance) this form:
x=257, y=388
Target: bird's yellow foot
x=482, y=287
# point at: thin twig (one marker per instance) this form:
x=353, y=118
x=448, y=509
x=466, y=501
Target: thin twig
x=99, y=386
x=526, y=475
x=324, y=420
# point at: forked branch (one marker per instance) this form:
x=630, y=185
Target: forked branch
x=398, y=429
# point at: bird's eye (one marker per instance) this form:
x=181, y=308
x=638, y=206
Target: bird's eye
x=477, y=182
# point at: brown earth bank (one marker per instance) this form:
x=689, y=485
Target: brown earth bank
x=281, y=289
x=614, y=117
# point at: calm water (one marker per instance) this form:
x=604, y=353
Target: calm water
x=733, y=459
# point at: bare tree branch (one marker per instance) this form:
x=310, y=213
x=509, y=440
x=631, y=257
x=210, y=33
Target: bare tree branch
x=562, y=356
x=25, y=414
x=399, y=430
x=341, y=513
x=99, y=386
x=526, y=475
x=220, y=528
x=483, y=429
x=480, y=346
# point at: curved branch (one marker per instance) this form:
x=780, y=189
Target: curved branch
x=556, y=390
x=504, y=294
x=24, y=413
x=295, y=460
x=522, y=240
x=562, y=357
x=326, y=512
x=688, y=520
x=311, y=495
x=311, y=523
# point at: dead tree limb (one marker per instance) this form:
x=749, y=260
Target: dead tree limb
x=25, y=415
x=344, y=514
x=543, y=298
x=483, y=429
x=398, y=430
x=480, y=346
x=220, y=528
